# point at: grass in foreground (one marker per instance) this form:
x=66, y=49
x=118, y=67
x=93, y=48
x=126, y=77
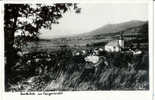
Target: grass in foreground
x=63, y=71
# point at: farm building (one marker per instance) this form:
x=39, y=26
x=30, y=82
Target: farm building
x=115, y=45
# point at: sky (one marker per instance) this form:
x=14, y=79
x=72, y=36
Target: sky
x=93, y=16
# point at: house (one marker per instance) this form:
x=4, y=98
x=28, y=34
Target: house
x=115, y=45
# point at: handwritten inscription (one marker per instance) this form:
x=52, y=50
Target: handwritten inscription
x=42, y=93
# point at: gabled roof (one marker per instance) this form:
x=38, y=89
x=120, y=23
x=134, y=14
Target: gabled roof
x=113, y=43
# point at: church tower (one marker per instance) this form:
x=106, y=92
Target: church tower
x=121, y=41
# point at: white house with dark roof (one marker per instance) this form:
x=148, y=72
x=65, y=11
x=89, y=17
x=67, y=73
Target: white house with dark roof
x=114, y=46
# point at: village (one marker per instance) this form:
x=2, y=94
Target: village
x=86, y=63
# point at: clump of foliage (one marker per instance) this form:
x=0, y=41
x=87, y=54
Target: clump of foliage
x=60, y=70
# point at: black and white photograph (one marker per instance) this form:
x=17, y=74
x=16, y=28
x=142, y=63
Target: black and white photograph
x=76, y=47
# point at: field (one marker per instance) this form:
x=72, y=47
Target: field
x=45, y=66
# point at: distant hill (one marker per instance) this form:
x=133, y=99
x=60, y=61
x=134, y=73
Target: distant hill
x=106, y=33
x=111, y=31
x=132, y=31
x=114, y=28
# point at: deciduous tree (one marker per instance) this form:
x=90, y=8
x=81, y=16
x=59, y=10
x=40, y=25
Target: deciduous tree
x=26, y=20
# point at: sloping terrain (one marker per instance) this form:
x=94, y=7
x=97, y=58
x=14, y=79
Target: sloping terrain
x=114, y=28
x=112, y=31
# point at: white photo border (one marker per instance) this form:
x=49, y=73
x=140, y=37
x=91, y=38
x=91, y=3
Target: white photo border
x=91, y=95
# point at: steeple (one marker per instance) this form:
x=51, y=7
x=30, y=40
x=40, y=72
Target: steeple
x=121, y=41
x=121, y=36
